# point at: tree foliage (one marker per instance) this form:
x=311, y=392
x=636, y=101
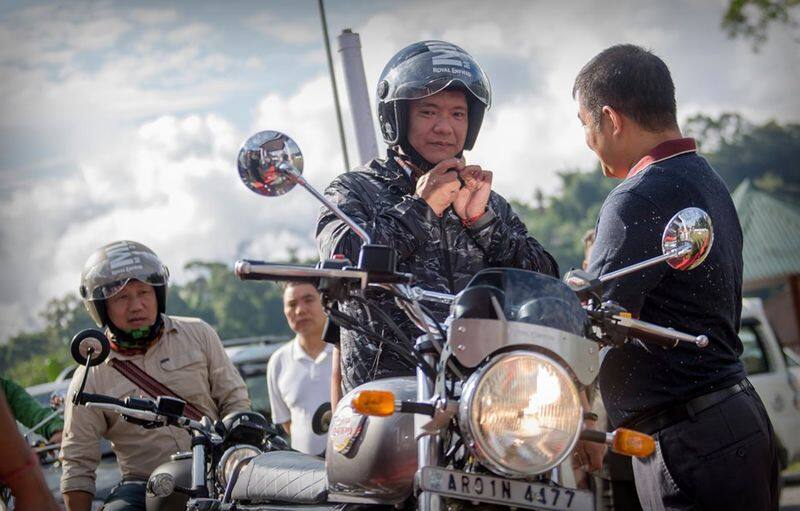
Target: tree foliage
x=560, y=225
x=751, y=19
x=767, y=153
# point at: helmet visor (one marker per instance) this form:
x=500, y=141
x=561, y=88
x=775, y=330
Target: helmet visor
x=430, y=72
x=107, y=279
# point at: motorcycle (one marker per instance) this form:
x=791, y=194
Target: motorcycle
x=197, y=479
x=491, y=417
x=494, y=410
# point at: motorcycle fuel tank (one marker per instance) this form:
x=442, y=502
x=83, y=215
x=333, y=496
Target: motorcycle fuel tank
x=372, y=459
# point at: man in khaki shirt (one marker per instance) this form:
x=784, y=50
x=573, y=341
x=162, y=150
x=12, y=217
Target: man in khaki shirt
x=124, y=288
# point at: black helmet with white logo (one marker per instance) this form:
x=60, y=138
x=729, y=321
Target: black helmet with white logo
x=424, y=69
x=111, y=267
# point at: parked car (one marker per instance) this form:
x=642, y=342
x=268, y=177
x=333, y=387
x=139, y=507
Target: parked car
x=775, y=377
x=250, y=356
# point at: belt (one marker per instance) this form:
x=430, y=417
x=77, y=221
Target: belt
x=660, y=420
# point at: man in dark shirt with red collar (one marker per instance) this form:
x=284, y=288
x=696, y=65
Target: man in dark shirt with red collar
x=715, y=444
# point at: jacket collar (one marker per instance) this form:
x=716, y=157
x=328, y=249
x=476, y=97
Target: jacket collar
x=664, y=151
x=389, y=170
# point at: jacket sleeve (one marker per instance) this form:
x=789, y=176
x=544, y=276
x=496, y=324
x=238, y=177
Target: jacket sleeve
x=27, y=411
x=80, y=445
x=404, y=226
x=227, y=387
x=506, y=242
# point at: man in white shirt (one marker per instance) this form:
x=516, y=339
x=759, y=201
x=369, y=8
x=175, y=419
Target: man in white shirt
x=299, y=373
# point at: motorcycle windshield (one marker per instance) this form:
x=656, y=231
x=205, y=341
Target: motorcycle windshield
x=527, y=297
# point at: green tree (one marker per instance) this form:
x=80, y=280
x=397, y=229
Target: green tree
x=560, y=225
x=750, y=19
x=235, y=308
x=766, y=153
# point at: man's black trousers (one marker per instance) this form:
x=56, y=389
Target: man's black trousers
x=724, y=457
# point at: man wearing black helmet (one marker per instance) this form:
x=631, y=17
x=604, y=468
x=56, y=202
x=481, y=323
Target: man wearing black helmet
x=124, y=288
x=423, y=200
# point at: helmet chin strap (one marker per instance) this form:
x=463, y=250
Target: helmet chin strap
x=417, y=159
x=138, y=339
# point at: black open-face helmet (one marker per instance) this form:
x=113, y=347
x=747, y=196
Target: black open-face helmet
x=111, y=267
x=424, y=69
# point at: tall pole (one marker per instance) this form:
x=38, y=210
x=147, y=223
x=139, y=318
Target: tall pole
x=356, y=85
x=333, y=82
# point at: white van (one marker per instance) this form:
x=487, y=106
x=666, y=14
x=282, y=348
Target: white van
x=767, y=370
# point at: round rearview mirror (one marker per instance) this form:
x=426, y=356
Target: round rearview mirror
x=90, y=342
x=269, y=163
x=321, y=421
x=58, y=398
x=690, y=235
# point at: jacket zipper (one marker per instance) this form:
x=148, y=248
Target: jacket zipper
x=446, y=253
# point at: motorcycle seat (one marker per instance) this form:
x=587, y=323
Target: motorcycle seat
x=282, y=476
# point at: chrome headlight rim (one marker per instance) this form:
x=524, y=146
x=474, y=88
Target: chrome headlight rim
x=223, y=471
x=468, y=425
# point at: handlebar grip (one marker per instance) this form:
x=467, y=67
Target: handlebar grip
x=660, y=335
x=247, y=269
x=86, y=397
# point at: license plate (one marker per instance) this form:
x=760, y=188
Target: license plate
x=503, y=491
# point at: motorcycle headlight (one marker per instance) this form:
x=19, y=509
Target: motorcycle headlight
x=230, y=459
x=520, y=414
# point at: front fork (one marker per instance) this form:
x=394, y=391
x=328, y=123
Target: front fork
x=199, y=445
x=428, y=446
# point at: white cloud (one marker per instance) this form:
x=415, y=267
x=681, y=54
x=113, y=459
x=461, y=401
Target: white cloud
x=279, y=27
x=154, y=16
x=174, y=187
x=30, y=35
x=309, y=118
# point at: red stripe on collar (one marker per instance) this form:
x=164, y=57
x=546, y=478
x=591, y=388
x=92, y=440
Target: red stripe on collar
x=664, y=151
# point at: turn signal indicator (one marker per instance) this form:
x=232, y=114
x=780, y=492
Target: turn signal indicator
x=632, y=443
x=377, y=403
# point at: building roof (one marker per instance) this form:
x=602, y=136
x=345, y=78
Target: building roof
x=771, y=230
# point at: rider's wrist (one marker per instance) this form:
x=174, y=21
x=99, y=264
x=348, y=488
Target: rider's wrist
x=478, y=222
x=470, y=221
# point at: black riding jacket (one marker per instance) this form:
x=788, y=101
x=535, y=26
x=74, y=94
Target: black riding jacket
x=441, y=253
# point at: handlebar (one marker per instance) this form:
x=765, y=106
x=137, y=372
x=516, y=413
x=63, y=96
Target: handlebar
x=660, y=335
x=247, y=269
x=85, y=398
x=137, y=408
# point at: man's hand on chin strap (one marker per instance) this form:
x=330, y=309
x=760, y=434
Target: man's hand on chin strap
x=440, y=186
x=473, y=198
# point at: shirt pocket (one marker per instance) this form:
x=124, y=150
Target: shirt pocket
x=186, y=374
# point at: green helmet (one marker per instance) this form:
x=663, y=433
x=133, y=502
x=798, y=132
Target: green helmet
x=111, y=267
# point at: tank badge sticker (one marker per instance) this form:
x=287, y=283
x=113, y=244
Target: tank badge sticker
x=345, y=429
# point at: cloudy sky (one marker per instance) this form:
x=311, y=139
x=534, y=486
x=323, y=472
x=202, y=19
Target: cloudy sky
x=123, y=119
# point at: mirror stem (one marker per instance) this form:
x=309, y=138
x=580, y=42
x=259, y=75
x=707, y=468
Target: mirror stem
x=682, y=250
x=361, y=233
x=76, y=397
